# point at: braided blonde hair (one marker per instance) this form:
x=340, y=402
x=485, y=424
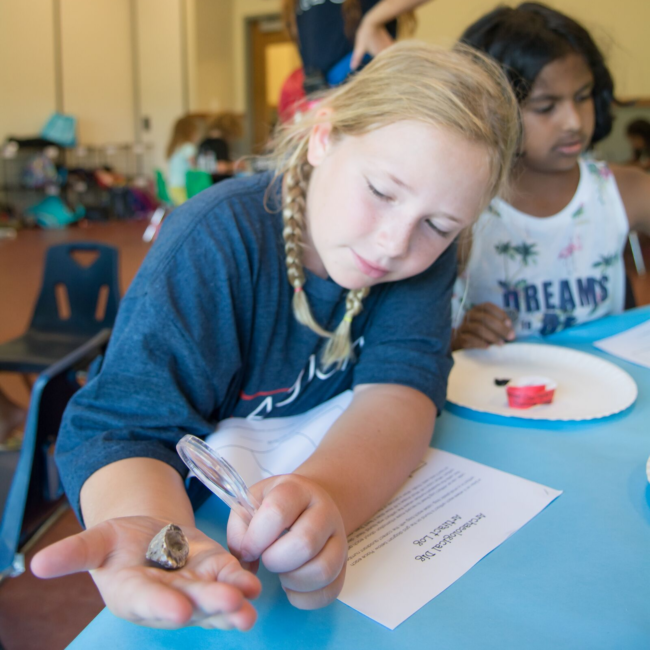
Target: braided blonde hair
x=458, y=89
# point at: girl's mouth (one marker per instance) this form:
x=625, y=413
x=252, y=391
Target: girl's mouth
x=372, y=270
x=570, y=148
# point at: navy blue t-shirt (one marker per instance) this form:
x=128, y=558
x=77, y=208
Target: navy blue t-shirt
x=206, y=332
x=321, y=32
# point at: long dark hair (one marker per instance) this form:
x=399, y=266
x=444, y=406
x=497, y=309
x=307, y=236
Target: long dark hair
x=526, y=38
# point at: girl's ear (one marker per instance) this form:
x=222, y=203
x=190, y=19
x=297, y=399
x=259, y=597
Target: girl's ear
x=320, y=139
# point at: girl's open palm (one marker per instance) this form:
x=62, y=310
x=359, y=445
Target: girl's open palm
x=210, y=591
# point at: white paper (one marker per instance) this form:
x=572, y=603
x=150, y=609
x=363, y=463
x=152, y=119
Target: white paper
x=258, y=449
x=632, y=345
x=448, y=515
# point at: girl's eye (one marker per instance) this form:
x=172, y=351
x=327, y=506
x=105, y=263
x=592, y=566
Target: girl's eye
x=377, y=193
x=442, y=233
x=540, y=110
x=583, y=98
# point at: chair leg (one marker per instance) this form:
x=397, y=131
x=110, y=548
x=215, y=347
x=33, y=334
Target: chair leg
x=637, y=253
x=151, y=231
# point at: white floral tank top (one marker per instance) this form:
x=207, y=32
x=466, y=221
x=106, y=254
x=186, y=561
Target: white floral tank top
x=554, y=272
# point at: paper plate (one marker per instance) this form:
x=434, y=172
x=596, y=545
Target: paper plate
x=588, y=387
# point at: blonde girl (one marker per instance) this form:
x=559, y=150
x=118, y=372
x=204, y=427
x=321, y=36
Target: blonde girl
x=265, y=297
x=181, y=155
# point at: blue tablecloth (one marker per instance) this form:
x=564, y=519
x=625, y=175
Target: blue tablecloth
x=577, y=576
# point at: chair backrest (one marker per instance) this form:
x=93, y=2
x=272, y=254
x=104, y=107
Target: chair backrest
x=74, y=299
x=161, y=188
x=196, y=181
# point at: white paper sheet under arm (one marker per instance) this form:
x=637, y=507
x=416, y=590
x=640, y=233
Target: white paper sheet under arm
x=451, y=513
x=448, y=515
x=632, y=345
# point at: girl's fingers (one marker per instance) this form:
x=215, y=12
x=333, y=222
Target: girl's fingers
x=468, y=342
x=140, y=598
x=242, y=579
x=357, y=55
x=302, y=543
x=82, y=552
x=242, y=620
x=171, y=600
x=483, y=332
x=320, y=571
x=482, y=322
x=495, y=318
x=492, y=309
x=210, y=598
x=316, y=599
x=235, y=534
x=281, y=506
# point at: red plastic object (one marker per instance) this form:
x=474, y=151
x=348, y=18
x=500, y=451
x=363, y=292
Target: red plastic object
x=527, y=392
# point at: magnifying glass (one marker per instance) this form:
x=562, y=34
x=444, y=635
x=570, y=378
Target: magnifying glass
x=218, y=475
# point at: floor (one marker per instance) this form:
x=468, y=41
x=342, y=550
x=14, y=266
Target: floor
x=37, y=614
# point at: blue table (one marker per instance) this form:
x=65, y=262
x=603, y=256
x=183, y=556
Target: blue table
x=576, y=577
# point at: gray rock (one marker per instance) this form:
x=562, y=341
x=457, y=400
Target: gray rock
x=169, y=548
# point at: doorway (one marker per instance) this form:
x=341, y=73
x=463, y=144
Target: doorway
x=273, y=56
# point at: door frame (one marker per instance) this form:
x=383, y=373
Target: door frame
x=259, y=34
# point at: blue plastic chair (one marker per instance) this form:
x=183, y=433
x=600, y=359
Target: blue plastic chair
x=53, y=335
x=35, y=490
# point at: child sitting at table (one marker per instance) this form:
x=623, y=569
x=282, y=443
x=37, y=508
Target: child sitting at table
x=181, y=155
x=551, y=256
x=268, y=296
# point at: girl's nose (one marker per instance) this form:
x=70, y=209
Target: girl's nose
x=572, y=119
x=394, y=238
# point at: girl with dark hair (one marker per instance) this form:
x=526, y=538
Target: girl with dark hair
x=551, y=255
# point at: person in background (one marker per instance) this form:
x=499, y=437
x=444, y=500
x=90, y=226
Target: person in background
x=214, y=150
x=267, y=296
x=638, y=134
x=181, y=155
x=550, y=254
x=335, y=38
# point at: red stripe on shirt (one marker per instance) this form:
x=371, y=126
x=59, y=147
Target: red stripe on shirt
x=263, y=393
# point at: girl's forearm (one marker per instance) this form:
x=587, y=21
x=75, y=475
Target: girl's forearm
x=371, y=449
x=386, y=10
x=136, y=486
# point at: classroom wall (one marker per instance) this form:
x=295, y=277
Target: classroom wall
x=620, y=28
x=97, y=69
x=213, y=42
x=191, y=55
x=27, y=87
x=160, y=76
